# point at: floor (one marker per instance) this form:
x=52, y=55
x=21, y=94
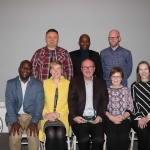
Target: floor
x=4, y=143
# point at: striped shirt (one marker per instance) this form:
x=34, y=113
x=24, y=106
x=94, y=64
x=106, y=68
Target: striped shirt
x=119, y=57
x=41, y=61
x=141, y=99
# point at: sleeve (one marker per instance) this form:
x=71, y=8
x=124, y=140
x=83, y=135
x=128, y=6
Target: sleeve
x=34, y=65
x=39, y=103
x=129, y=64
x=72, y=99
x=129, y=102
x=136, y=111
x=68, y=66
x=98, y=65
x=11, y=116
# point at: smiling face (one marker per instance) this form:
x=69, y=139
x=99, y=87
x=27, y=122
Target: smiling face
x=114, y=38
x=56, y=71
x=116, y=79
x=88, y=68
x=25, y=70
x=84, y=42
x=144, y=72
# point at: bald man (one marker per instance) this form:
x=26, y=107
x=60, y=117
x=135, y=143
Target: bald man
x=116, y=56
x=83, y=53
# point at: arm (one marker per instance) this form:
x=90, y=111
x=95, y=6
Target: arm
x=98, y=65
x=129, y=64
x=10, y=104
x=39, y=102
x=34, y=65
x=136, y=110
x=68, y=66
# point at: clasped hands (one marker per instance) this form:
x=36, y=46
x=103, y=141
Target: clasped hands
x=142, y=123
x=117, y=119
x=79, y=119
x=51, y=116
x=16, y=128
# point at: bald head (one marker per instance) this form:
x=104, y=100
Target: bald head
x=84, y=42
x=114, y=32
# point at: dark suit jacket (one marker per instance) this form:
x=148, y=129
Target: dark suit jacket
x=33, y=100
x=77, y=60
x=77, y=97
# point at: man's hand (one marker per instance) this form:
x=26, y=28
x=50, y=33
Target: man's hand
x=79, y=119
x=16, y=127
x=32, y=128
x=97, y=120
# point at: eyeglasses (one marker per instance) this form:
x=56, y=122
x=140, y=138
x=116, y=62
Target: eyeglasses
x=113, y=38
x=89, y=67
x=116, y=77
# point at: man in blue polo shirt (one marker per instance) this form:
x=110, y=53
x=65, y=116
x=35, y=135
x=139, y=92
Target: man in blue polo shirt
x=115, y=55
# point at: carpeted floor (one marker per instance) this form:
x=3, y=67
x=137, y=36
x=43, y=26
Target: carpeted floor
x=4, y=143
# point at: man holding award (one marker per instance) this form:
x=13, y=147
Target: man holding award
x=87, y=101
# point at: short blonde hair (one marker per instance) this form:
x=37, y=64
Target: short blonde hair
x=54, y=63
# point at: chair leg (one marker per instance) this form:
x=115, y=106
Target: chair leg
x=104, y=146
x=68, y=142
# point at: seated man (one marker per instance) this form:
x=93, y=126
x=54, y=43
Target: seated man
x=24, y=105
x=87, y=101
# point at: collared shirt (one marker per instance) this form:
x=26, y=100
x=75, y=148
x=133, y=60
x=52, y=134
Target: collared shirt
x=89, y=94
x=119, y=57
x=41, y=61
x=23, y=88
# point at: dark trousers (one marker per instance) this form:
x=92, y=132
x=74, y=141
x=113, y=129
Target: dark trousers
x=143, y=135
x=117, y=135
x=96, y=132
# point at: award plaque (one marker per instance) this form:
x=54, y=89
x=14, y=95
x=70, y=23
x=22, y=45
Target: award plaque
x=89, y=115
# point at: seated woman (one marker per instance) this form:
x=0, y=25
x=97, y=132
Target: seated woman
x=55, y=113
x=141, y=100
x=119, y=108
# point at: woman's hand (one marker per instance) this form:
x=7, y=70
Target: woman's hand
x=52, y=116
x=142, y=123
x=116, y=119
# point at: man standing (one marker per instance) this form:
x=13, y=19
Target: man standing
x=116, y=56
x=43, y=57
x=83, y=53
x=24, y=105
x=87, y=101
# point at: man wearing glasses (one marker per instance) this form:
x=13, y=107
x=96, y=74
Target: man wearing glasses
x=116, y=56
x=87, y=102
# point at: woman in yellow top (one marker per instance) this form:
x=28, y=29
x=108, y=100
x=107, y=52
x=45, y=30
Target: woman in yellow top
x=55, y=113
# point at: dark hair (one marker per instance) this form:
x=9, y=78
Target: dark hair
x=116, y=70
x=51, y=30
x=138, y=77
x=26, y=61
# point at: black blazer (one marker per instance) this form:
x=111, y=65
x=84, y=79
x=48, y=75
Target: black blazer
x=77, y=97
x=77, y=60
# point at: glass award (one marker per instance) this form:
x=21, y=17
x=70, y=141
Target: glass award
x=89, y=115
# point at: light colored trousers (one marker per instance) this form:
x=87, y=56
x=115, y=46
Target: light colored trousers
x=15, y=141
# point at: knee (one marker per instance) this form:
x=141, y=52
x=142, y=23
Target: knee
x=33, y=139
x=85, y=139
x=98, y=139
x=15, y=139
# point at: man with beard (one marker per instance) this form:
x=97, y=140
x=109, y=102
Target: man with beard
x=116, y=56
x=83, y=53
x=87, y=102
x=24, y=105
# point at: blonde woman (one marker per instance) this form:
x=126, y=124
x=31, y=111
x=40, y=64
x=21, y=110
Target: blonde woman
x=55, y=113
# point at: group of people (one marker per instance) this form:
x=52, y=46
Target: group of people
x=59, y=92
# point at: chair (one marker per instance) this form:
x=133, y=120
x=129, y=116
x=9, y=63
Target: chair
x=74, y=142
x=132, y=138
x=1, y=125
x=24, y=140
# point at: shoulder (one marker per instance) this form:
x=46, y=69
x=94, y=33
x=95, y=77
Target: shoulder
x=105, y=51
x=126, y=89
x=133, y=84
x=74, y=52
x=35, y=81
x=41, y=50
x=124, y=50
x=94, y=52
x=99, y=80
x=13, y=80
x=77, y=79
x=61, y=50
